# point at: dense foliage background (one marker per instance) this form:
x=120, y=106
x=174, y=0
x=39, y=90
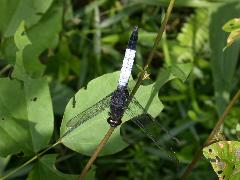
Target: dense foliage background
x=62, y=45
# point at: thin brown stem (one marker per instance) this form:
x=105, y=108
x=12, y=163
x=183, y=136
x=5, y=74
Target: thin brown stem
x=96, y=153
x=137, y=85
x=211, y=136
x=156, y=42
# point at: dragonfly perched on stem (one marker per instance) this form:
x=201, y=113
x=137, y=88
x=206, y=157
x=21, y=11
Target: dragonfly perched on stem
x=119, y=103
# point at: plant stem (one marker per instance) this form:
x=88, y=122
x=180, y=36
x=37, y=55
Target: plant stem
x=30, y=160
x=211, y=136
x=156, y=42
x=96, y=153
x=3, y=70
x=138, y=83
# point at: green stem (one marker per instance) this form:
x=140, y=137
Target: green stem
x=166, y=53
x=30, y=160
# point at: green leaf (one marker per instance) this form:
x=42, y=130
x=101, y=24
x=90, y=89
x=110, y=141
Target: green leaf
x=14, y=11
x=60, y=94
x=193, y=37
x=14, y=136
x=3, y=163
x=29, y=129
x=42, y=35
x=63, y=62
x=233, y=37
x=232, y=25
x=21, y=41
x=124, y=13
x=182, y=3
x=85, y=138
x=26, y=107
x=224, y=157
x=45, y=169
x=26, y=116
x=223, y=64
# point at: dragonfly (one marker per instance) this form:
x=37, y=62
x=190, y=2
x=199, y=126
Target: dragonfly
x=119, y=104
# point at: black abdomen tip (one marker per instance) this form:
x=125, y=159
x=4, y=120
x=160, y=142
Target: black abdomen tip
x=133, y=39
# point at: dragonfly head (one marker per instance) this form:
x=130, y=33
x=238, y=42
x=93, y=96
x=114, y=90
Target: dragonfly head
x=114, y=123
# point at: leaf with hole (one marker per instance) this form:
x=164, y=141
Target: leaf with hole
x=225, y=159
x=45, y=168
x=85, y=138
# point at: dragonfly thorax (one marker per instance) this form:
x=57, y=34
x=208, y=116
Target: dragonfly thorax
x=117, y=106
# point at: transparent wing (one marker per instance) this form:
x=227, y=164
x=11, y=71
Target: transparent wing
x=89, y=113
x=150, y=127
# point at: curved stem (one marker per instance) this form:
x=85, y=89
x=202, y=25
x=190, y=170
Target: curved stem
x=30, y=160
x=211, y=136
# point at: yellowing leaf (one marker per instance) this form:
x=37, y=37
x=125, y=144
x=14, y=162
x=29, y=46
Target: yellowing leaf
x=225, y=159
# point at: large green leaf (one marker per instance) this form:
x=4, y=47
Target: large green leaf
x=26, y=116
x=45, y=169
x=26, y=107
x=3, y=163
x=224, y=157
x=42, y=35
x=223, y=64
x=12, y=12
x=85, y=138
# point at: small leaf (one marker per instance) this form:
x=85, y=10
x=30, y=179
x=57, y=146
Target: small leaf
x=225, y=158
x=20, y=38
x=45, y=169
x=233, y=37
x=232, y=25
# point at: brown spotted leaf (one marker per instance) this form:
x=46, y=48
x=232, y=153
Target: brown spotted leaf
x=233, y=27
x=225, y=159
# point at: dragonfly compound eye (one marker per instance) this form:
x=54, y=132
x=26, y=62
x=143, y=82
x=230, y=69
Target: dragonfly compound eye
x=113, y=123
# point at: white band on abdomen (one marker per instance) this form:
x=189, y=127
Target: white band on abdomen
x=126, y=67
